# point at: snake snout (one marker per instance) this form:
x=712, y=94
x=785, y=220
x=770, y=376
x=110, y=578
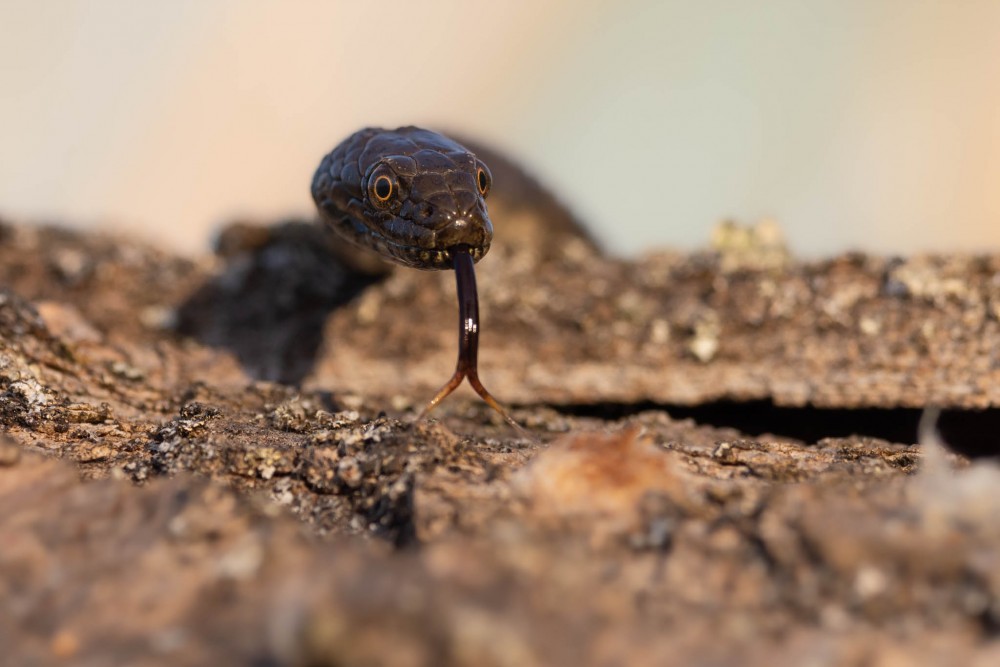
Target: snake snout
x=453, y=220
x=475, y=231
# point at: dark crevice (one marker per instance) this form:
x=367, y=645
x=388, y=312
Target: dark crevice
x=974, y=433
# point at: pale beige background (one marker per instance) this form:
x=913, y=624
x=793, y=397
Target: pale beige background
x=854, y=123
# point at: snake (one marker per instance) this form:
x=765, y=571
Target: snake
x=416, y=198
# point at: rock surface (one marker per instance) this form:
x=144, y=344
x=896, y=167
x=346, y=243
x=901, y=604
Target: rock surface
x=167, y=500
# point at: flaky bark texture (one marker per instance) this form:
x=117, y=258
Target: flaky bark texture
x=214, y=461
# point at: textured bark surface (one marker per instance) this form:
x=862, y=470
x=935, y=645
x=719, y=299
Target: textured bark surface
x=214, y=461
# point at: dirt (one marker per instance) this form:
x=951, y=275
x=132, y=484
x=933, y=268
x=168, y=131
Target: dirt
x=216, y=461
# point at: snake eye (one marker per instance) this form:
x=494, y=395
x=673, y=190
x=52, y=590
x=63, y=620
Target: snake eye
x=382, y=188
x=483, y=179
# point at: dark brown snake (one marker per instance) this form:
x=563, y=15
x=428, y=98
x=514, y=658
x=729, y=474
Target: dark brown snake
x=419, y=199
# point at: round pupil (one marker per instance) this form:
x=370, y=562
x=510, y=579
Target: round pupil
x=482, y=181
x=383, y=188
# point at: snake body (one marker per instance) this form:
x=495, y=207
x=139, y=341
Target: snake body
x=409, y=194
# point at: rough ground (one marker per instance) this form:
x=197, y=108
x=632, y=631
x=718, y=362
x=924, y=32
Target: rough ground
x=214, y=461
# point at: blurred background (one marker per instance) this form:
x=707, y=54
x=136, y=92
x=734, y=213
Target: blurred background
x=871, y=124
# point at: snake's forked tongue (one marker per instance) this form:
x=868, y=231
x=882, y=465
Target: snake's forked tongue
x=468, y=337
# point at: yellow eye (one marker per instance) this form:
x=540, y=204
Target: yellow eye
x=483, y=179
x=382, y=188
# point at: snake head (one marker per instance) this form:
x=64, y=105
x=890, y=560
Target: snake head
x=411, y=195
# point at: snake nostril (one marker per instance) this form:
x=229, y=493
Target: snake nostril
x=427, y=211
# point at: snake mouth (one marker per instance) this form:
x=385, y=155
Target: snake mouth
x=429, y=259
